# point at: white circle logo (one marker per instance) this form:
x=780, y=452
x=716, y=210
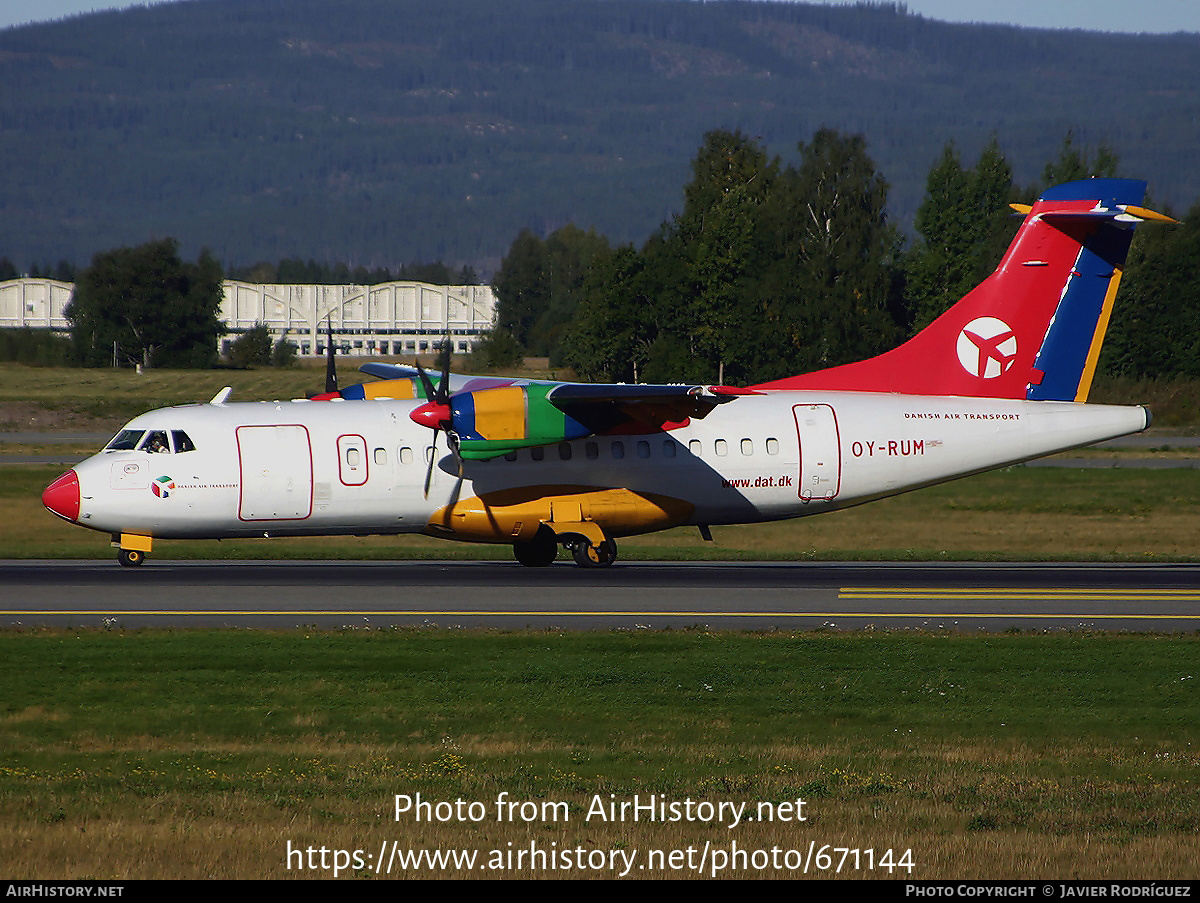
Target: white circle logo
x=987, y=347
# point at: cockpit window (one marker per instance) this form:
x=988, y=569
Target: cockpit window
x=155, y=442
x=125, y=440
x=152, y=441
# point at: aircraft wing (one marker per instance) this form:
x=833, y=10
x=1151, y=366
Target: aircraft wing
x=492, y=416
x=645, y=405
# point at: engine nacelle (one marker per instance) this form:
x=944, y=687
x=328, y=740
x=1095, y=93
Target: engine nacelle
x=492, y=422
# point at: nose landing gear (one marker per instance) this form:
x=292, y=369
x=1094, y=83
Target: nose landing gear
x=131, y=548
x=130, y=558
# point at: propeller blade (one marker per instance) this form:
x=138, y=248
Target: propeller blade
x=330, y=368
x=426, y=383
x=444, y=384
x=432, y=458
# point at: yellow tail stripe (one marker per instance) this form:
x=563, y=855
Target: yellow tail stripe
x=1089, y=367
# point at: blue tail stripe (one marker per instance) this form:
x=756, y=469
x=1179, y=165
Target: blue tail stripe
x=1064, y=353
x=1065, y=349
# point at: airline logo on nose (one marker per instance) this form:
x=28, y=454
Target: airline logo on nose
x=162, y=487
x=987, y=347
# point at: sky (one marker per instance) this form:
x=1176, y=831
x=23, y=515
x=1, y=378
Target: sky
x=1094, y=15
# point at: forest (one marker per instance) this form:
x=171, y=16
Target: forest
x=772, y=270
x=378, y=132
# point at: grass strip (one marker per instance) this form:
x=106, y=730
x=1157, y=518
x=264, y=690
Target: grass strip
x=202, y=753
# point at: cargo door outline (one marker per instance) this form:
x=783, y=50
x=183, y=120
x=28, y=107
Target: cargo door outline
x=820, y=452
x=275, y=466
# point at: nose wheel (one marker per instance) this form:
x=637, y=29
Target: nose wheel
x=131, y=558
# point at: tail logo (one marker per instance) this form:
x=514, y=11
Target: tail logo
x=987, y=347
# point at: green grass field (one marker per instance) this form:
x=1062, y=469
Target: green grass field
x=203, y=753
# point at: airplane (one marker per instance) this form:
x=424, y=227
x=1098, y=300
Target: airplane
x=1001, y=377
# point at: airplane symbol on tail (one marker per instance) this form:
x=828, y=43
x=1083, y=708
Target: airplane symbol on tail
x=987, y=347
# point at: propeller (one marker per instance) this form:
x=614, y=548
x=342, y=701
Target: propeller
x=331, y=387
x=436, y=413
x=330, y=368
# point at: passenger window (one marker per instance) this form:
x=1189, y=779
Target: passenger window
x=511, y=456
x=643, y=449
x=747, y=447
x=618, y=449
x=772, y=446
x=380, y=456
x=720, y=448
x=406, y=455
x=352, y=457
x=669, y=448
x=538, y=452
x=695, y=447
x=592, y=450
x=182, y=442
x=564, y=451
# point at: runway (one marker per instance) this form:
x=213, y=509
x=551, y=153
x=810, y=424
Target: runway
x=630, y=595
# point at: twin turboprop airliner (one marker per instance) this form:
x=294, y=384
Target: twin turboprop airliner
x=1001, y=377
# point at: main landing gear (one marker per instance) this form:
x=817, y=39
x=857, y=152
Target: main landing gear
x=594, y=556
x=541, y=551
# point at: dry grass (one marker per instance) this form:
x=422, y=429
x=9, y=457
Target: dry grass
x=997, y=818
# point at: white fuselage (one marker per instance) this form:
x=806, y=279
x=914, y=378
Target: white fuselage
x=346, y=467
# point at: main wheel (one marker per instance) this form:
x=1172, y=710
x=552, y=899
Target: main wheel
x=590, y=556
x=130, y=558
x=538, y=552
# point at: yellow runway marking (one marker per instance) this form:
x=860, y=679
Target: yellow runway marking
x=432, y=613
x=1005, y=593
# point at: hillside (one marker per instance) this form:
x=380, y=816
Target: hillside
x=379, y=132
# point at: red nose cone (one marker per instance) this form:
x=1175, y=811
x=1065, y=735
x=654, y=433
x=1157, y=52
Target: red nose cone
x=433, y=415
x=62, y=496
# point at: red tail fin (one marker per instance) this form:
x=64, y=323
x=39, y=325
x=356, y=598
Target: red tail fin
x=1033, y=328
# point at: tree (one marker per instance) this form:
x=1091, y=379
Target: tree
x=522, y=295
x=1155, y=328
x=963, y=223
x=252, y=348
x=720, y=237
x=496, y=350
x=539, y=285
x=831, y=281
x=148, y=307
x=283, y=353
x=614, y=329
x=1073, y=163
x=762, y=275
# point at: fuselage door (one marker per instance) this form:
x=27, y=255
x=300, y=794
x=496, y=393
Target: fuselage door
x=352, y=460
x=820, y=451
x=276, y=472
